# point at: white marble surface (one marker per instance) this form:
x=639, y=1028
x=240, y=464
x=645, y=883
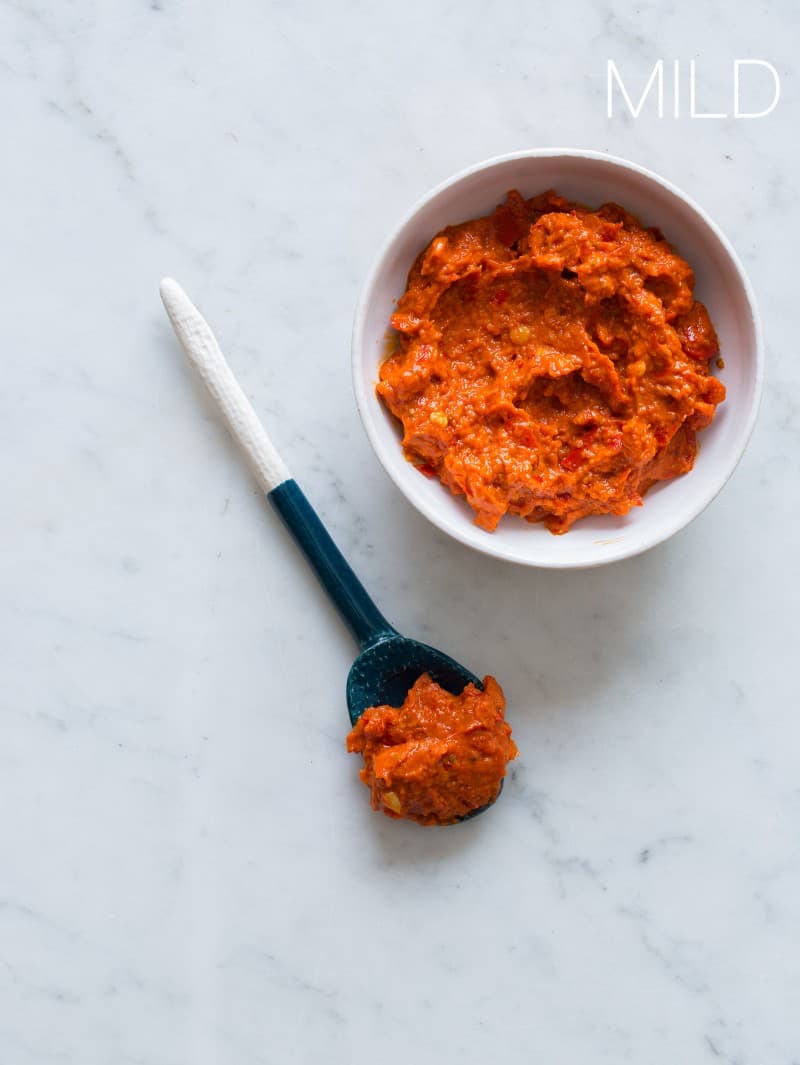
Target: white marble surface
x=189, y=871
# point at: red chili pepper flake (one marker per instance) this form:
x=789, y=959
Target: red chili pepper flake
x=573, y=459
x=426, y=470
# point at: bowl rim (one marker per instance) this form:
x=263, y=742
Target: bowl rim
x=493, y=547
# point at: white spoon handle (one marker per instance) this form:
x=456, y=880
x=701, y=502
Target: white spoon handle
x=204, y=353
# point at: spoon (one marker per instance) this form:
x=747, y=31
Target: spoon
x=388, y=664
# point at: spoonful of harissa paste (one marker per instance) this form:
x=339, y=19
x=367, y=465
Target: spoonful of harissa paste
x=433, y=738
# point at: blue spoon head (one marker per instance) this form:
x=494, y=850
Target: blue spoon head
x=384, y=673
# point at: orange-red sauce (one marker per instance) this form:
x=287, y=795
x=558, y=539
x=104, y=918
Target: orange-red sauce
x=552, y=362
x=438, y=757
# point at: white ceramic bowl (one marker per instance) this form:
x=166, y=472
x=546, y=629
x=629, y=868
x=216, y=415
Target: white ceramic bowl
x=591, y=178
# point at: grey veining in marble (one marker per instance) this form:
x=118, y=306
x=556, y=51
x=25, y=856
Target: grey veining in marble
x=189, y=868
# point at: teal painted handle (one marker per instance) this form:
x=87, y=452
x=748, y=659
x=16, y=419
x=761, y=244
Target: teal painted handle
x=363, y=618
